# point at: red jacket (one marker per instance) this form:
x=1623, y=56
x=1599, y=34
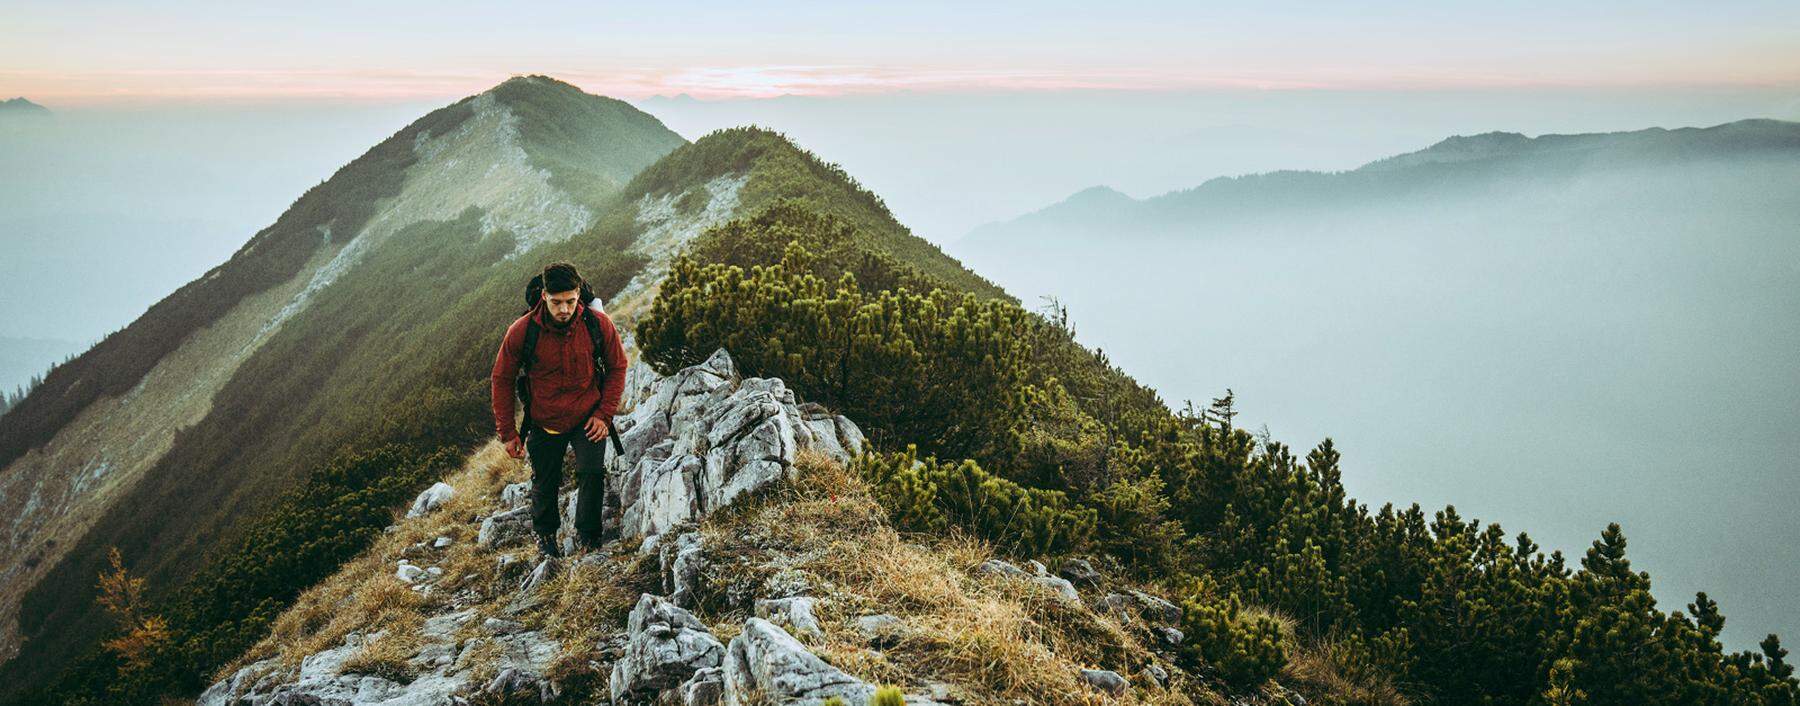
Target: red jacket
x=561, y=375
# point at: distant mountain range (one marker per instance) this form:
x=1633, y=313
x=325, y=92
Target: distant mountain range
x=1461, y=163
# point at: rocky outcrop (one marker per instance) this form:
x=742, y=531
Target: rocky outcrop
x=694, y=442
x=446, y=666
x=765, y=659
x=699, y=439
x=666, y=646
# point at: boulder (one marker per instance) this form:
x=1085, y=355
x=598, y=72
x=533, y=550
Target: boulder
x=683, y=562
x=1060, y=586
x=408, y=572
x=1105, y=681
x=705, y=688
x=881, y=631
x=1080, y=572
x=665, y=646
x=765, y=659
x=431, y=499
x=504, y=528
x=794, y=614
x=1156, y=610
x=699, y=439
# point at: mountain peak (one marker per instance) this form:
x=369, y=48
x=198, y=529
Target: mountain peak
x=1098, y=195
x=21, y=106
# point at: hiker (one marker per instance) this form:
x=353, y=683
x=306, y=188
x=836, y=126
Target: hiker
x=563, y=359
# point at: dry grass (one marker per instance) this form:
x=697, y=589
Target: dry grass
x=985, y=639
x=992, y=639
x=365, y=596
x=1323, y=672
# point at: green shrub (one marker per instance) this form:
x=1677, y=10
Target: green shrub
x=928, y=495
x=1244, y=650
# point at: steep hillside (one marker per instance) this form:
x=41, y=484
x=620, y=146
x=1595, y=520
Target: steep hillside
x=772, y=566
x=775, y=168
x=170, y=433
x=380, y=344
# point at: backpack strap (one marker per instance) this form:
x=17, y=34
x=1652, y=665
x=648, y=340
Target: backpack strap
x=522, y=384
x=593, y=329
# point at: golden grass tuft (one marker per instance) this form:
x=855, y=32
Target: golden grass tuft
x=995, y=639
x=1323, y=672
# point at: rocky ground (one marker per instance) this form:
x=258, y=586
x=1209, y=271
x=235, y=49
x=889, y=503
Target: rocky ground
x=753, y=569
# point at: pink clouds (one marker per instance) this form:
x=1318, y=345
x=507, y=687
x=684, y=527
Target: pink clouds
x=741, y=81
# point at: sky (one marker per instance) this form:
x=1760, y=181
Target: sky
x=83, y=52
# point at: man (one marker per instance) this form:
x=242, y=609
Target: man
x=566, y=405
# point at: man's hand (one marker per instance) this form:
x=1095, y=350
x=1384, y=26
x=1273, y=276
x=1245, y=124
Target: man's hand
x=595, y=429
x=516, y=447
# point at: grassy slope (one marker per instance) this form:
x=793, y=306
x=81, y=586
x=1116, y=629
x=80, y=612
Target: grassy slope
x=342, y=204
x=780, y=169
x=591, y=165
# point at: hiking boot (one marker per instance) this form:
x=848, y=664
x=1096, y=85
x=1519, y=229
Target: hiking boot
x=547, y=546
x=587, y=541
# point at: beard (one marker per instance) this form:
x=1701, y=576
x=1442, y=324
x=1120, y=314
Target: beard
x=560, y=323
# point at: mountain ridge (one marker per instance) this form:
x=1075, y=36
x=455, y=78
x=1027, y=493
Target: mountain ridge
x=523, y=167
x=192, y=345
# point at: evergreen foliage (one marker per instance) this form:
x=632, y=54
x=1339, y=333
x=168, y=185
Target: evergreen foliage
x=929, y=496
x=1243, y=650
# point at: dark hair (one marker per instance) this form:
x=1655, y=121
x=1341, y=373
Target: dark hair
x=561, y=277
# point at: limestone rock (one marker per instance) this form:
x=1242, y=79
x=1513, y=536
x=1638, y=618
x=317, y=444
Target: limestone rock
x=431, y=499
x=882, y=630
x=504, y=528
x=794, y=614
x=665, y=647
x=683, y=562
x=705, y=688
x=1105, y=681
x=699, y=439
x=766, y=659
x=1080, y=573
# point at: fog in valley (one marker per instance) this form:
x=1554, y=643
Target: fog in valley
x=1549, y=352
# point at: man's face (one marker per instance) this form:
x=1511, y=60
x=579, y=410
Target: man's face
x=562, y=305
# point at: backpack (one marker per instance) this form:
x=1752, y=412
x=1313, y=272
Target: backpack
x=534, y=291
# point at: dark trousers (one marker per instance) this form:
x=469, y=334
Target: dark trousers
x=547, y=452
